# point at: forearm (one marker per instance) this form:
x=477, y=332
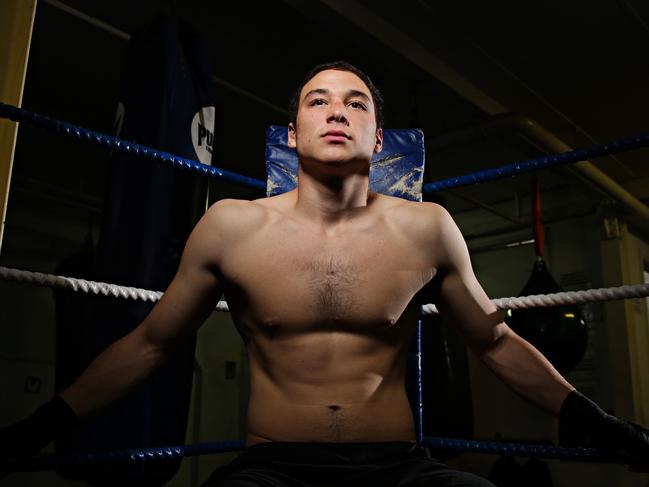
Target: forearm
x=527, y=372
x=114, y=373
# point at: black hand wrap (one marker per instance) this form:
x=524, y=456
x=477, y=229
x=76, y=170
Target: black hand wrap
x=22, y=440
x=584, y=423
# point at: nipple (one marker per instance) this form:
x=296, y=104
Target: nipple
x=270, y=328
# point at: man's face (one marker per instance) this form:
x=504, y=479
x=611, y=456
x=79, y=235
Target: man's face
x=335, y=120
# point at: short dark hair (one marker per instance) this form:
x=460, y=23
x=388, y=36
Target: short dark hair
x=377, y=98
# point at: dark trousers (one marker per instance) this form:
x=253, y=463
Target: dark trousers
x=288, y=464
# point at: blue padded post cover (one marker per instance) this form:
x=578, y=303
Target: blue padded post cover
x=398, y=170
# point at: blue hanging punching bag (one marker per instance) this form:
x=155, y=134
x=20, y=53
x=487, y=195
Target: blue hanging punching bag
x=167, y=102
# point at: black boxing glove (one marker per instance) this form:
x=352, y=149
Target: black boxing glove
x=584, y=423
x=22, y=440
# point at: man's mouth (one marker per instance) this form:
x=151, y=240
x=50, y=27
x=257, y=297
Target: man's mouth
x=336, y=135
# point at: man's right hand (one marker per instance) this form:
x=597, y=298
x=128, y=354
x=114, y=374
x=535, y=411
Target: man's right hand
x=22, y=440
x=584, y=423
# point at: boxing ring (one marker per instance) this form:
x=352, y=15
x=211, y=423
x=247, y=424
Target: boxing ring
x=138, y=456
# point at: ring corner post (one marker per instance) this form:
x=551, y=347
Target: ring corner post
x=420, y=394
x=16, y=24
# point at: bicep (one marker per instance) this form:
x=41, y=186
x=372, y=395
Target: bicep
x=459, y=297
x=192, y=295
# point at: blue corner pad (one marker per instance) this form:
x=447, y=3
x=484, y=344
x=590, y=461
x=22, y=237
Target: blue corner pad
x=398, y=170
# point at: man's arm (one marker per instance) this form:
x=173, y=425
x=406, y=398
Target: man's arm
x=185, y=305
x=125, y=364
x=463, y=303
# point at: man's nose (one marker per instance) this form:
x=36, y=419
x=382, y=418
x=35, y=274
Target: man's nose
x=337, y=115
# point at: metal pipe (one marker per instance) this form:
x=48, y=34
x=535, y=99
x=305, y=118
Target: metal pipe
x=553, y=143
x=548, y=141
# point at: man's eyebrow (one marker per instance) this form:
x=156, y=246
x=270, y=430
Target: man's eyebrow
x=360, y=94
x=350, y=93
x=317, y=91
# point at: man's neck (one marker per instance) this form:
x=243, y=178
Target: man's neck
x=330, y=199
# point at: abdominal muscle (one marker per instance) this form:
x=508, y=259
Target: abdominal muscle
x=316, y=395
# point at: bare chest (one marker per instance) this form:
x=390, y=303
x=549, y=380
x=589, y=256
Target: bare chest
x=301, y=281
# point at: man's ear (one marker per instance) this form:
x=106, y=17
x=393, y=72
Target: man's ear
x=291, y=136
x=378, y=146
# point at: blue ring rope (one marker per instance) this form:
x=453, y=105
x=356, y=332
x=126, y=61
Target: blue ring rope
x=131, y=457
x=143, y=455
x=531, y=165
x=108, y=141
x=25, y=116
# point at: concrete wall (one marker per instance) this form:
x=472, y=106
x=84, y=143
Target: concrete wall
x=27, y=334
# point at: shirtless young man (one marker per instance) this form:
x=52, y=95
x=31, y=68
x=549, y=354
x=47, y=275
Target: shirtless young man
x=325, y=283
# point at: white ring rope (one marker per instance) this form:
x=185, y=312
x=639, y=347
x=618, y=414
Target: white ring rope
x=562, y=298
x=89, y=287
x=534, y=301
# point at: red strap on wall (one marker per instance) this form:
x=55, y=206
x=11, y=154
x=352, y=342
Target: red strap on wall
x=537, y=219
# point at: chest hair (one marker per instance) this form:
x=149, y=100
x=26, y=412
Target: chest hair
x=332, y=282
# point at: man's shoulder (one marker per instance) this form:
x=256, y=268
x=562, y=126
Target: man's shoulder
x=230, y=207
x=424, y=224
x=409, y=212
x=233, y=215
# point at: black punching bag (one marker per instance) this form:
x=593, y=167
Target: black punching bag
x=166, y=102
x=559, y=332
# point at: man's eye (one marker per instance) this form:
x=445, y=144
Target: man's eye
x=358, y=104
x=317, y=102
